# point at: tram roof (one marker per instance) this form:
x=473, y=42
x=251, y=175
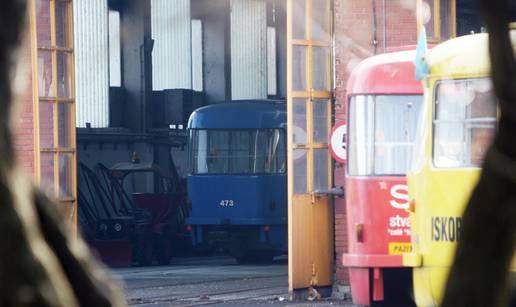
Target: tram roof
x=240, y=114
x=388, y=73
x=464, y=56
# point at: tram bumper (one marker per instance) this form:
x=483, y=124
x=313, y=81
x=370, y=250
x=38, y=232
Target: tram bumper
x=372, y=261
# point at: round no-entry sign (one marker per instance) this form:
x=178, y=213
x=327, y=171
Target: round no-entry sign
x=338, y=142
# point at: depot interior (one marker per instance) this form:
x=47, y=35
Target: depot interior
x=166, y=59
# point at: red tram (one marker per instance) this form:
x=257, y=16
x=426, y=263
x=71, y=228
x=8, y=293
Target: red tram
x=384, y=105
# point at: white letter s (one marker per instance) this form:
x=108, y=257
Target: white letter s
x=400, y=192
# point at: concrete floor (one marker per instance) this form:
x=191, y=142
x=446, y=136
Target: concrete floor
x=217, y=281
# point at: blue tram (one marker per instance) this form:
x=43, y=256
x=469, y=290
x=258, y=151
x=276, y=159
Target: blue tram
x=238, y=179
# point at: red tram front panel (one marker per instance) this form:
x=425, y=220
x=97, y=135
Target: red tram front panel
x=378, y=223
x=384, y=106
x=378, y=233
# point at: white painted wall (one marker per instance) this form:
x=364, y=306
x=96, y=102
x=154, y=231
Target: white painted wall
x=91, y=62
x=197, y=56
x=172, y=54
x=248, y=49
x=272, y=85
x=115, y=61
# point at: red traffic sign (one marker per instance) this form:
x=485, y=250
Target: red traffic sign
x=338, y=142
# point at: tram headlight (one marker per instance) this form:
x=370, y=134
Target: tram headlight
x=360, y=232
x=103, y=227
x=118, y=227
x=412, y=206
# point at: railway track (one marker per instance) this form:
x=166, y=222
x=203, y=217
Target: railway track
x=216, y=281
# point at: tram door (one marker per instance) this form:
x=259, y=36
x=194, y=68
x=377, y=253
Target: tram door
x=310, y=217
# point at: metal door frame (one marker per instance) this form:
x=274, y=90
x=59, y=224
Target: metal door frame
x=310, y=217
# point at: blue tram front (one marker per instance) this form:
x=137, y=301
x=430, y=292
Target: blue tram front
x=238, y=179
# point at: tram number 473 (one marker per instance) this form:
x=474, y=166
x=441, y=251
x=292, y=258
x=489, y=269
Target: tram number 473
x=227, y=203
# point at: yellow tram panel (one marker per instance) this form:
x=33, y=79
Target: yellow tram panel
x=439, y=193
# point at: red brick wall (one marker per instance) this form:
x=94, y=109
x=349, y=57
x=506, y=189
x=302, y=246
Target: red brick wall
x=354, y=33
x=24, y=127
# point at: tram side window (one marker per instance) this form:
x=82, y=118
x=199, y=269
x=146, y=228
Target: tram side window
x=382, y=133
x=238, y=151
x=395, y=127
x=464, y=122
x=361, y=125
x=238, y=160
x=218, y=151
x=275, y=159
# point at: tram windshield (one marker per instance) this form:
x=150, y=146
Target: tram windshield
x=464, y=122
x=381, y=135
x=238, y=151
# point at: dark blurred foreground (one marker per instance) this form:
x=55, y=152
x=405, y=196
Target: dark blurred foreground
x=41, y=262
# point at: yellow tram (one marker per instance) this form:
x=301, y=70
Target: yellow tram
x=458, y=125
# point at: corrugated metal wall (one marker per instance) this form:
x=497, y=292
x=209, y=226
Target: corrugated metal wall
x=248, y=49
x=171, y=56
x=91, y=62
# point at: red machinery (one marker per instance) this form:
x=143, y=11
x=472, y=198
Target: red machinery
x=138, y=227
x=384, y=105
x=165, y=204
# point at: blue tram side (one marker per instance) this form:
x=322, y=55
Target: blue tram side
x=238, y=179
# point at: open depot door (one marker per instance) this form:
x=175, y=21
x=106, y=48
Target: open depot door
x=310, y=217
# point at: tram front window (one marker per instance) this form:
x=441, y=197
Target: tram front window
x=464, y=122
x=382, y=130
x=238, y=151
